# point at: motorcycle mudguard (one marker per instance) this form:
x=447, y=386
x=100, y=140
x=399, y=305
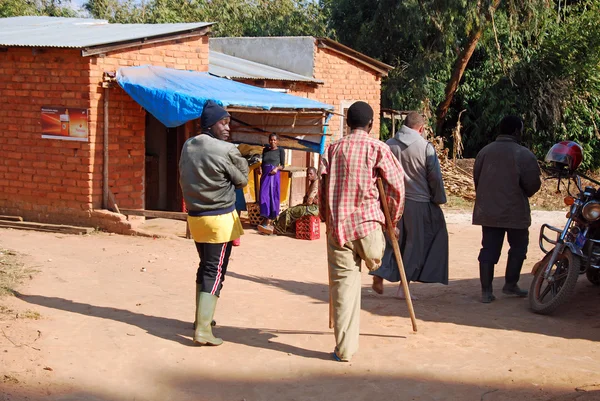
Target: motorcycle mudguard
x=542, y=262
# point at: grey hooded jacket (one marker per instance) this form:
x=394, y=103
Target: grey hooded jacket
x=210, y=170
x=422, y=173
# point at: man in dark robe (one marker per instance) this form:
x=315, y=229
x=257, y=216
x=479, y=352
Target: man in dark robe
x=423, y=237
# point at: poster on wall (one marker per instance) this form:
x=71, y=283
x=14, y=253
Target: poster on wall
x=66, y=123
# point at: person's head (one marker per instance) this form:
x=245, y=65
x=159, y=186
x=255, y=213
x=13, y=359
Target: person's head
x=415, y=121
x=273, y=140
x=215, y=119
x=511, y=125
x=311, y=172
x=360, y=116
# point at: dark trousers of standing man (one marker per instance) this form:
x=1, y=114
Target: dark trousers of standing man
x=491, y=247
x=214, y=259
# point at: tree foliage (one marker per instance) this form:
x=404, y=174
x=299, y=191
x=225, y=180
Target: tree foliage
x=538, y=59
x=553, y=83
x=53, y=8
x=234, y=17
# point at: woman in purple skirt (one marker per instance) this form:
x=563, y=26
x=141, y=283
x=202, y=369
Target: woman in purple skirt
x=273, y=160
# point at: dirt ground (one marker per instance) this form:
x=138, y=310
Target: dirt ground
x=109, y=331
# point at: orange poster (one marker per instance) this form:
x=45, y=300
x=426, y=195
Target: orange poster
x=65, y=123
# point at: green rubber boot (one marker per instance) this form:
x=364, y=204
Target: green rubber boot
x=205, y=311
x=198, y=289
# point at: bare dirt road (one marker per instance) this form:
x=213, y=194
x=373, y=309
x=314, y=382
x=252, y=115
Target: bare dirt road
x=110, y=331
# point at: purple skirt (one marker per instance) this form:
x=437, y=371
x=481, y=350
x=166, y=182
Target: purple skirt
x=269, y=193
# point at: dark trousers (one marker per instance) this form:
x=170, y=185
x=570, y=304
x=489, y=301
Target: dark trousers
x=214, y=259
x=491, y=247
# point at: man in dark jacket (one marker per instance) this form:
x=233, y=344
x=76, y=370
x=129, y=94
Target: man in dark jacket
x=210, y=170
x=506, y=174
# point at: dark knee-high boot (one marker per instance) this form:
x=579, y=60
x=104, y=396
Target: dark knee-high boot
x=486, y=275
x=512, y=275
x=207, y=303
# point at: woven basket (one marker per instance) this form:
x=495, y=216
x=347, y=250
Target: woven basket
x=254, y=213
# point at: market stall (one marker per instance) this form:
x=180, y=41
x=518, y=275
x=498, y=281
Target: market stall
x=175, y=97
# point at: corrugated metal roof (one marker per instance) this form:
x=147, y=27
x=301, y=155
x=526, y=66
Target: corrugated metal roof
x=226, y=66
x=80, y=32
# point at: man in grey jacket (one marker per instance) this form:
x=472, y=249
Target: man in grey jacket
x=423, y=237
x=211, y=169
x=506, y=174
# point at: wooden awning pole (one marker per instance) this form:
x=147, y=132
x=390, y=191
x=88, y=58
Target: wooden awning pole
x=105, y=153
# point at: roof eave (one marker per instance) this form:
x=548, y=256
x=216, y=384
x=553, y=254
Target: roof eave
x=381, y=68
x=276, y=110
x=300, y=81
x=108, y=47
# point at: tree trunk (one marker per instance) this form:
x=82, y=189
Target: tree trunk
x=459, y=68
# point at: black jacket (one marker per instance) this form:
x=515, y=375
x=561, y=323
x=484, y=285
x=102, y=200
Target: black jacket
x=506, y=174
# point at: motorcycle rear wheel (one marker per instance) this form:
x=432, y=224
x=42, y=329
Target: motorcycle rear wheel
x=547, y=295
x=593, y=275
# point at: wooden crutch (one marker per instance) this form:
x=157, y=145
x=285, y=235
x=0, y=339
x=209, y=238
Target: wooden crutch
x=330, y=307
x=392, y=236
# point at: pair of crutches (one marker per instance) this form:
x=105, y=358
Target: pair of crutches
x=392, y=236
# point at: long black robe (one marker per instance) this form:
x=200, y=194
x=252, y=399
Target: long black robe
x=423, y=234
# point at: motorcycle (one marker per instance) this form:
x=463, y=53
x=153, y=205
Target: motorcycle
x=577, y=245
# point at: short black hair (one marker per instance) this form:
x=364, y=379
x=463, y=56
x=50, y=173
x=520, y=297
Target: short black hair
x=272, y=134
x=414, y=120
x=511, y=125
x=360, y=115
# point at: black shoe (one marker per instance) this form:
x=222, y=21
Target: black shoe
x=514, y=290
x=487, y=297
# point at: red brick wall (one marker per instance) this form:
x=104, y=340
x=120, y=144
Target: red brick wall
x=51, y=180
x=41, y=178
x=344, y=79
x=127, y=118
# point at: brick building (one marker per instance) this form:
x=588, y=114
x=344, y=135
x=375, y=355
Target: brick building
x=54, y=68
x=316, y=68
x=59, y=63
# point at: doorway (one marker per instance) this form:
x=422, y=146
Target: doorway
x=163, y=148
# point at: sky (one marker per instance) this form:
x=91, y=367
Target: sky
x=77, y=3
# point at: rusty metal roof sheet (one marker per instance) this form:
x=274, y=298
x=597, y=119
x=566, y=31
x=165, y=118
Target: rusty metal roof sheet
x=226, y=66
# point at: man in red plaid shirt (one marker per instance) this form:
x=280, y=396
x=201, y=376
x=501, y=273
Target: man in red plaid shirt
x=355, y=222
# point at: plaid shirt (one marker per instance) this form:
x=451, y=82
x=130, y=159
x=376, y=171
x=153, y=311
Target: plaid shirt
x=351, y=198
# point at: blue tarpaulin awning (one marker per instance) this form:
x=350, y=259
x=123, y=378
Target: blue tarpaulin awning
x=175, y=96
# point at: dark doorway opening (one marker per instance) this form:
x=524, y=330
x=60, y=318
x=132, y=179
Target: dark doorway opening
x=163, y=148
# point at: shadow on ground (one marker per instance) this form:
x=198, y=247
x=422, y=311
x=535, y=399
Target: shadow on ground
x=181, y=332
x=347, y=387
x=458, y=303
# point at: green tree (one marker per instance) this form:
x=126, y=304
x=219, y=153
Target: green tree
x=534, y=58
x=556, y=88
x=232, y=17
x=52, y=8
